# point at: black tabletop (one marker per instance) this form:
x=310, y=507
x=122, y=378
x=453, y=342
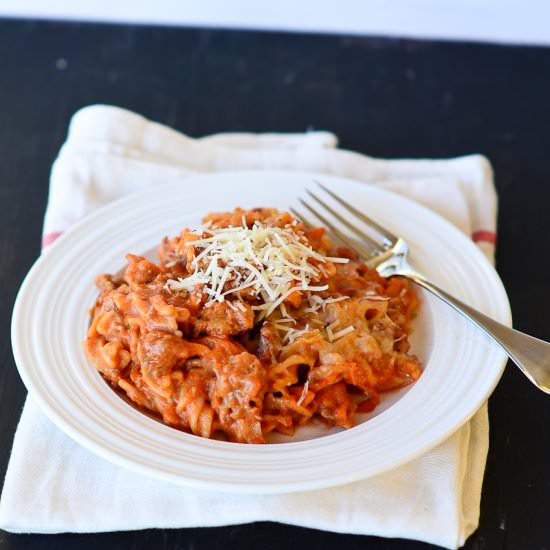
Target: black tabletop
x=383, y=97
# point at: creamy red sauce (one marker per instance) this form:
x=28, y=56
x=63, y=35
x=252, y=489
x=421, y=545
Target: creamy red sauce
x=208, y=368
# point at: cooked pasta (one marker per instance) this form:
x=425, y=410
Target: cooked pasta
x=251, y=324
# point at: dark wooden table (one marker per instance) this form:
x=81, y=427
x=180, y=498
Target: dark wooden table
x=389, y=98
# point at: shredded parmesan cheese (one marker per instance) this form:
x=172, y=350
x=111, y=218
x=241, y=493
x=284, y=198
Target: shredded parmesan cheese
x=292, y=334
x=334, y=300
x=270, y=262
x=303, y=394
x=343, y=332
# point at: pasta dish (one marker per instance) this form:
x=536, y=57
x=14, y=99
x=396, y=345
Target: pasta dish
x=250, y=324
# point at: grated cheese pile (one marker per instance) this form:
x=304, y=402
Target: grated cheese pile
x=272, y=262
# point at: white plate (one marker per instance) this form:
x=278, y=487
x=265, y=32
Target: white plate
x=50, y=321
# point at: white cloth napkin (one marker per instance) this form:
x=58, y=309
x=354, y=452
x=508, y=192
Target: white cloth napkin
x=54, y=485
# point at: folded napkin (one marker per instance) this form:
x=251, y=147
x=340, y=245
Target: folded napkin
x=111, y=152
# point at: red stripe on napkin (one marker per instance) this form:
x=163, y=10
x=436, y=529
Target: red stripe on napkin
x=50, y=238
x=484, y=236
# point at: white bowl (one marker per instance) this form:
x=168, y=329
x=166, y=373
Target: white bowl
x=50, y=320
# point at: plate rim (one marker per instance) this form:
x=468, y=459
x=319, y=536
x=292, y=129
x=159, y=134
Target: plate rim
x=87, y=441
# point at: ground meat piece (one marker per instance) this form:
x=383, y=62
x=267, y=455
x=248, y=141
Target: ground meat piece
x=335, y=405
x=270, y=344
x=221, y=319
x=159, y=352
x=238, y=396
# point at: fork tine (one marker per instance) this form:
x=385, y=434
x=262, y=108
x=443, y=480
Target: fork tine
x=364, y=254
x=389, y=237
x=335, y=233
x=373, y=244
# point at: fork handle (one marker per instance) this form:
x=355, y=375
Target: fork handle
x=530, y=354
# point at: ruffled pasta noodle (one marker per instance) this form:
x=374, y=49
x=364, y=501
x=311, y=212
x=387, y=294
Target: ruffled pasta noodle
x=252, y=324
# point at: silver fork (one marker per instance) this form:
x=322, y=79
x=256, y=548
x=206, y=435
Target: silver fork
x=389, y=256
